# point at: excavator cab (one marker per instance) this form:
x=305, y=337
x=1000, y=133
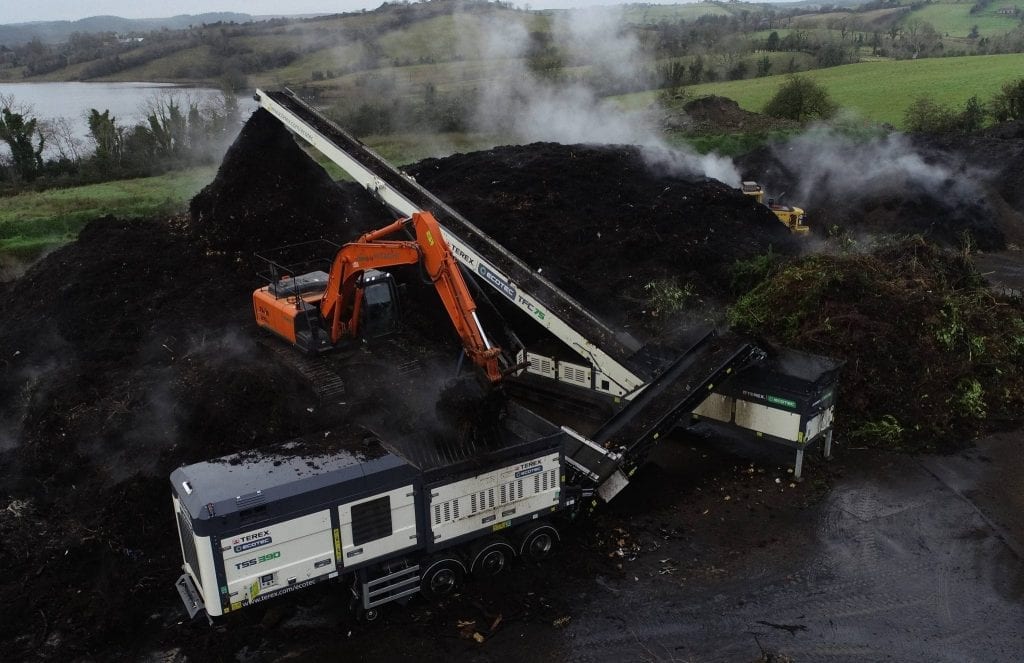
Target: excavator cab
x=290, y=307
x=297, y=280
x=381, y=312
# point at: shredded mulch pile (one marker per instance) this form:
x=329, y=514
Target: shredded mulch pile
x=932, y=355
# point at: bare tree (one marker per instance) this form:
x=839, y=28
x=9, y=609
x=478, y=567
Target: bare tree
x=61, y=137
x=21, y=107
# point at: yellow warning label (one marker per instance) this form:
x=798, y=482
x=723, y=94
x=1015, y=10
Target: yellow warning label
x=337, y=544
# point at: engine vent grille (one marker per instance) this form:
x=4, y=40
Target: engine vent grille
x=188, y=546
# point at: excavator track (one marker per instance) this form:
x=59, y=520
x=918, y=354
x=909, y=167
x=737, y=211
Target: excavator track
x=326, y=383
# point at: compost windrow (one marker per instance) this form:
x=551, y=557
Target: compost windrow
x=607, y=224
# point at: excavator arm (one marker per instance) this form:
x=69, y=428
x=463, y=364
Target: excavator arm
x=341, y=302
x=458, y=302
x=433, y=252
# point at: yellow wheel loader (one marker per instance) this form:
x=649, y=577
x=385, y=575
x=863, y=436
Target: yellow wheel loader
x=793, y=217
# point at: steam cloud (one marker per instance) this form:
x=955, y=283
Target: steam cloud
x=826, y=161
x=34, y=380
x=517, y=101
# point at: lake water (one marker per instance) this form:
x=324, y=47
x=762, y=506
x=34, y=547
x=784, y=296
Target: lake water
x=125, y=101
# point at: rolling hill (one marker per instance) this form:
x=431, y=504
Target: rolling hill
x=51, y=32
x=878, y=91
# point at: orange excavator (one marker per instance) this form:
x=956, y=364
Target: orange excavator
x=316, y=311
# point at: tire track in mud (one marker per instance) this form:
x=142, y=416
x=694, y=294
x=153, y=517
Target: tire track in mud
x=955, y=485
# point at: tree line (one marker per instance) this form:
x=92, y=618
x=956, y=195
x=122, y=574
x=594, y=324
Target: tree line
x=177, y=132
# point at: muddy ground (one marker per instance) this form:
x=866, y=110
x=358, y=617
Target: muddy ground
x=874, y=558
x=131, y=352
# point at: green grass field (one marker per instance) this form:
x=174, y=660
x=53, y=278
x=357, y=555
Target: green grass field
x=878, y=91
x=956, y=19
x=440, y=39
x=31, y=223
x=326, y=60
x=647, y=14
x=952, y=20
x=167, y=68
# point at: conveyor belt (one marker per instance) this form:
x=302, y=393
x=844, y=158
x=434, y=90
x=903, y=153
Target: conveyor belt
x=624, y=441
x=403, y=194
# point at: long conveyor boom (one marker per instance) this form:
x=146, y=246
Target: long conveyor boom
x=608, y=351
x=659, y=394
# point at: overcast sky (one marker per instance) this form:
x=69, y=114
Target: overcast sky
x=21, y=11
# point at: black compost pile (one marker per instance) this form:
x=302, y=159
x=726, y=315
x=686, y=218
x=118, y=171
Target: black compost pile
x=126, y=354
x=269, y=193
x=997, y=153
x=132, y=351
x=955, y=191
x=605, y=224
x=721, y=115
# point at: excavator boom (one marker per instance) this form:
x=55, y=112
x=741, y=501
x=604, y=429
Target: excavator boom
x=451, y=286
x=339, y=307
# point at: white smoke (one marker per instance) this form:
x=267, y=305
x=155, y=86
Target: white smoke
x=530, y=107
x=595, y=37
x=676, y=161
x=826, y=161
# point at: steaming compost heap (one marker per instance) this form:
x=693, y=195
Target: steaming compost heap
x=133, y=351
x=953, y=190
x=605, y=223
x=269, y=193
